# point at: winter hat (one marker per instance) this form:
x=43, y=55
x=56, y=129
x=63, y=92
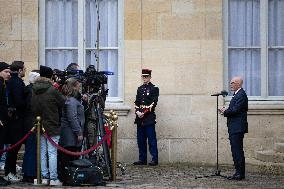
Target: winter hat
x=32, y=76
x=45, y=72
x=3, y=66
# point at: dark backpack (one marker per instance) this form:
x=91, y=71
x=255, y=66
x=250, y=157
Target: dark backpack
x=82, y=172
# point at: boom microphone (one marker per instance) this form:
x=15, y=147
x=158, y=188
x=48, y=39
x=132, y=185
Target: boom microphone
x=223, y=93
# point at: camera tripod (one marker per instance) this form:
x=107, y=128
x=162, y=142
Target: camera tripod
x=96, y=131
x=217, y=171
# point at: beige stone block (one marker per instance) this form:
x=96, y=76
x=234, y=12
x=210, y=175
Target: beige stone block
x=30, y=28
x=132, y=75
x=212, y=51
x=213, y=26
x=176, y=27
x=10, y=50
x=30, y=51
x=178, y=126
x=261, y=126
x=30, y=20
x=150, y=26
x=192, y=150
x=5, y=26
x=132, y=6
x=203, y=104
x=30, y=7
x=10, y=27
x=10, y=7
x=213, y=5
x=186, y=7
x=192, y=45
x=132, y=26
x=174, y=105
x=251, y=145
x=181, y=78
x=127, y=150
x=156, y=6
x=163, y=149
x=132, y=50
x=126, y=127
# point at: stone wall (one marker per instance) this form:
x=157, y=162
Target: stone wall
x=19, y=32
x=182, y=43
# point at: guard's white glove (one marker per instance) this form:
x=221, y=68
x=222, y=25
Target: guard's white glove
x=139, y=114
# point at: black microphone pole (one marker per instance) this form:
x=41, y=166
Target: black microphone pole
x=217, y=171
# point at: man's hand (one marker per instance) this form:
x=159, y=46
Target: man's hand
x=80, y=138
x=140, y=114
x=222, y=110
x=85, y=97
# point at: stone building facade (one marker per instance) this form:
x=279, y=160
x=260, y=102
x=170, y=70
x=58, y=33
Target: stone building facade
x=183, y=42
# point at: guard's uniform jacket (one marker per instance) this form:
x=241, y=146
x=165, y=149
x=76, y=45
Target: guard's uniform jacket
x=146, y=101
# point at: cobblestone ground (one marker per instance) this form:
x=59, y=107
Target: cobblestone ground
x=180, y=176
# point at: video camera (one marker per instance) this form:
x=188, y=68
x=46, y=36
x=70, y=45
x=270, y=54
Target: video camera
x=91, y=80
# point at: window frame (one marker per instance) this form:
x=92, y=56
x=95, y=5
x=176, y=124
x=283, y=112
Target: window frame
x=263, y=52
x=82, y=46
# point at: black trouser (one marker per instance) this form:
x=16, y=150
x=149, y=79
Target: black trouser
x=236, y=141
x=15, y=132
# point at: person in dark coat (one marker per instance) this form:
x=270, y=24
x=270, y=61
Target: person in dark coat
x=72, y=122
x=145, y=103
x=29, y=160
x=4, y=77
x=47, y=102
x=237, y=124
x=17, y=105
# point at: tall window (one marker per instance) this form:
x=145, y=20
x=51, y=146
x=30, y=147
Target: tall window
x=254, y=46
x=86, y=32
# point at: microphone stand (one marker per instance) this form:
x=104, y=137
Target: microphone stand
x=217, y=171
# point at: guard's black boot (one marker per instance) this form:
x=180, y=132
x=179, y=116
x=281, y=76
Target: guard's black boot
x=153, y=163
x=140, y=163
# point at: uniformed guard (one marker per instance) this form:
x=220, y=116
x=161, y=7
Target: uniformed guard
x=145, y=103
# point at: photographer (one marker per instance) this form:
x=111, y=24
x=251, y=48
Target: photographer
x=72, y=122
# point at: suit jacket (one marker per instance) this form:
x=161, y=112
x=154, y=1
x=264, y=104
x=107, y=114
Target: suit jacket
x=147, y=95
x=237, y=113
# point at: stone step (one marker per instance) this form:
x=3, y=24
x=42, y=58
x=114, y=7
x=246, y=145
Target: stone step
x=279, y=147
x=279, y=139
x=270, y=156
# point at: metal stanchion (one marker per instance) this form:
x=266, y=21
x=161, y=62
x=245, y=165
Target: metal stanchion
x=38, y=126
x=114, y=145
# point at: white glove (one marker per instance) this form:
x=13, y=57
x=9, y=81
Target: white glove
x=140, y=114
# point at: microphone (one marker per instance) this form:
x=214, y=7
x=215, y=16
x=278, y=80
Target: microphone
x=223, y=93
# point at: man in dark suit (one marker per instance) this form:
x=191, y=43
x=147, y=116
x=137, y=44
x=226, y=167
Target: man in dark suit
x=145, y=103
x=237, y=124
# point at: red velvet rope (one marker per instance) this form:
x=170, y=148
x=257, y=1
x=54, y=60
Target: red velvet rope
x=18, y=143
x=76, y=153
